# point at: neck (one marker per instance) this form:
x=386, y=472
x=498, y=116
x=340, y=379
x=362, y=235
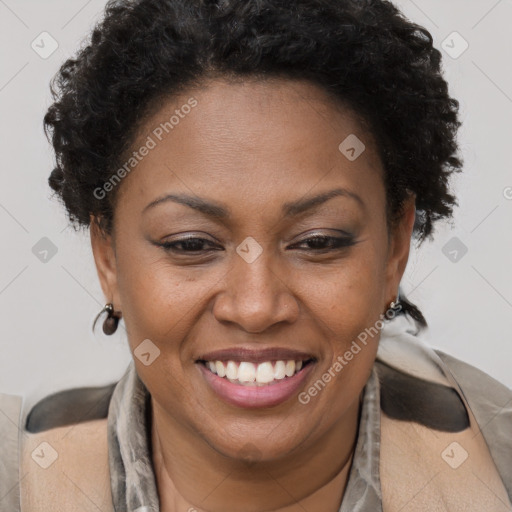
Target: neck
x=191, y=475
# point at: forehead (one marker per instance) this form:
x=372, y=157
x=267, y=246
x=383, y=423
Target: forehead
x=272, y=139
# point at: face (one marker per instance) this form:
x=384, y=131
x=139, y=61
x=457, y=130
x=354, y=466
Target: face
x=245, y=229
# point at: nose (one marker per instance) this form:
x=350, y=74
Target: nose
x=255, y=297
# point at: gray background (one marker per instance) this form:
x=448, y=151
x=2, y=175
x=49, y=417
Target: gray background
x=47, y=307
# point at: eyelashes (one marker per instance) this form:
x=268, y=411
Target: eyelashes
x=188, y=242
x=329, y=242
x=315, y=244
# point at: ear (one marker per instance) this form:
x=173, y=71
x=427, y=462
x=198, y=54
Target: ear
x=105, y=259
x=398, y=249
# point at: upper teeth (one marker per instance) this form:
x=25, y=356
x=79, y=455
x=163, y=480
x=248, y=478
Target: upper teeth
x=246, y=372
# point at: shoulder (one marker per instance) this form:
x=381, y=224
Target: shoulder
x=491, y=403
x=477, y=384
x=58, y=454
x=434, y=393
x=64, y=452
x=70, y=406
x=412, y=389
x=415, y=385
x=68, y=466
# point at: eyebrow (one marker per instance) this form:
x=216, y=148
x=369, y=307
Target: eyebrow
x=290, y=209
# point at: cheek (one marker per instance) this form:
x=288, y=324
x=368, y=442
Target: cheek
x=159, y=304
x=349, y=298
x=159, y=300
x=164, y=304
x=154, y=299
x=347, y=304
x=347, y=309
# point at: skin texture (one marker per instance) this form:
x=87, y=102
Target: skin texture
x=251, y=147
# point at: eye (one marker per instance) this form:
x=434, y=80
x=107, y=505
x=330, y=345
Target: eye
x=189, y=245
x=324, y=243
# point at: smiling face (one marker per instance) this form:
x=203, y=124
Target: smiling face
x=246, y=227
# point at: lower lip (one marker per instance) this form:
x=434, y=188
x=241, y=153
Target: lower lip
x=250, y=397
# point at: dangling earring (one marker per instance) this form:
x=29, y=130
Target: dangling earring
x=111, y=322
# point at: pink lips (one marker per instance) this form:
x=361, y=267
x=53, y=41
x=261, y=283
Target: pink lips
x=250, y=397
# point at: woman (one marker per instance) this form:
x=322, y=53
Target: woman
x=252, y=174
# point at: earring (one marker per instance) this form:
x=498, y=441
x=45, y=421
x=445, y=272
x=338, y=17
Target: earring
x=111, y=322
x=395, y=304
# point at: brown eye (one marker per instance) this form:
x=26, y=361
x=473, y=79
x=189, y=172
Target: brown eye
x=326, y=243
x=189, y=245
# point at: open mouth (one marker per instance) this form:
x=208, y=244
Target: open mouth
x=245, y=373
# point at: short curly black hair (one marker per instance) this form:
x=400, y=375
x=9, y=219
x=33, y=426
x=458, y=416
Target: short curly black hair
x=364, y=53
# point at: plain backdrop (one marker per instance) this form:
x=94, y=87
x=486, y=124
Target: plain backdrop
x=462, y=281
